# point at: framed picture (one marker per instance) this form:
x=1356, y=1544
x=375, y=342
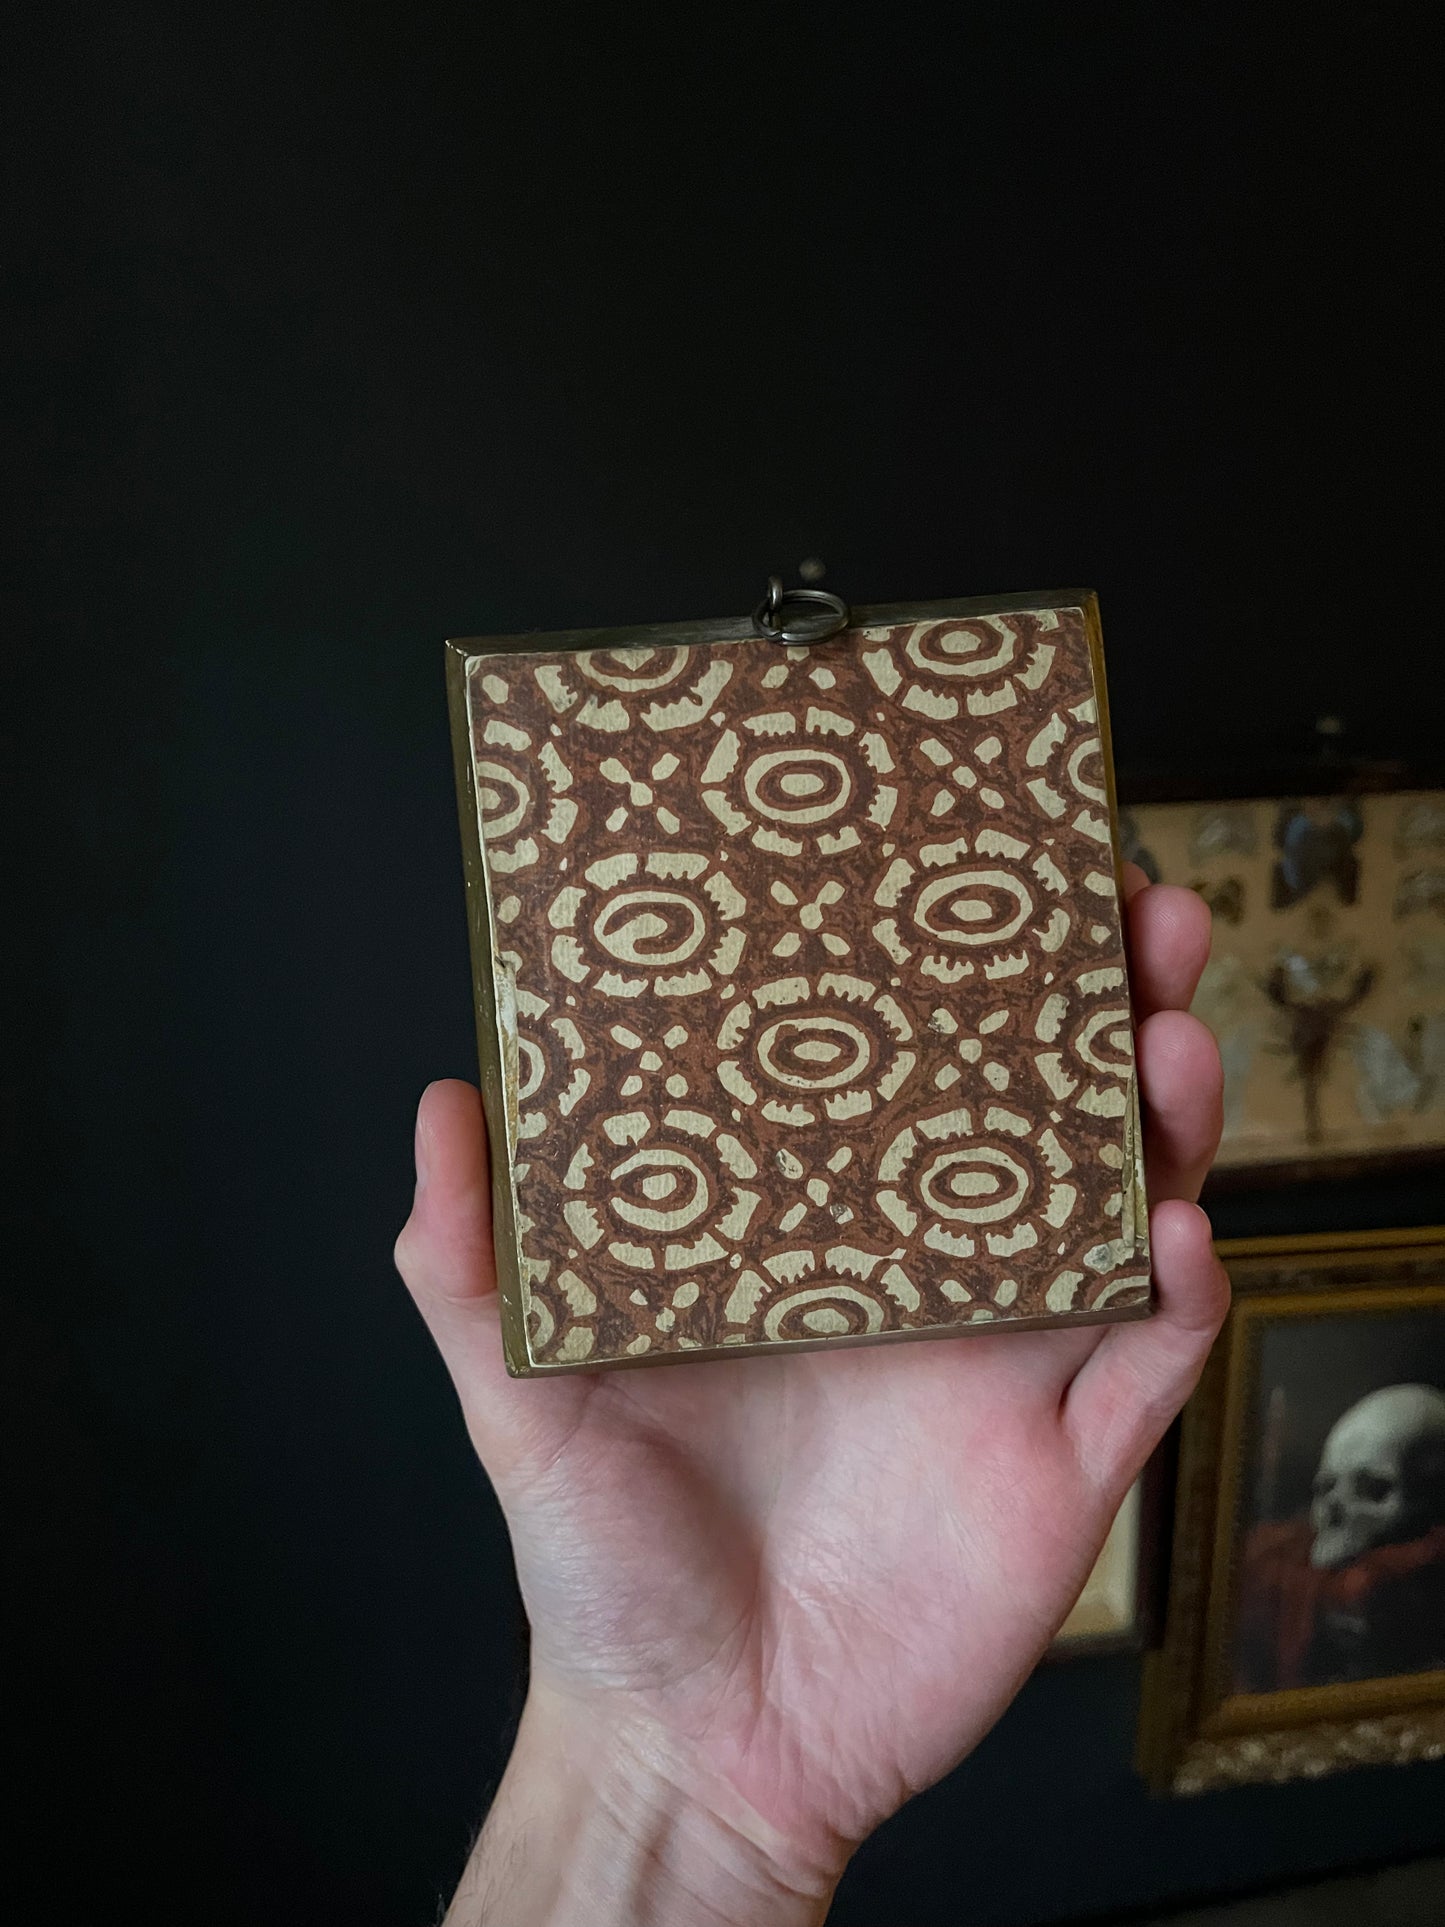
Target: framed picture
x=1305, y=1624
x=1326, y=987
x=1109, y=1614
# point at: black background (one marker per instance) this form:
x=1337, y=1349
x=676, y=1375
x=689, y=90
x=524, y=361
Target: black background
x=336, y=332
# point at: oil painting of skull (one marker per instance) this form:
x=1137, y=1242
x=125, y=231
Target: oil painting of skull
x=1381, y=1478
x=1341, y=1561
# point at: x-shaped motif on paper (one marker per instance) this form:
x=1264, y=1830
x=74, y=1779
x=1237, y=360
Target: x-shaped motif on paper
x=811, y=917
x=641, y=801
x=651, y=1062
x=818, y=1190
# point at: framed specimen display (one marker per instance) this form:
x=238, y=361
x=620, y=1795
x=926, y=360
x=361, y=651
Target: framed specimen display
x=801, y=987
x=1305, y=1625
x=1326, y=987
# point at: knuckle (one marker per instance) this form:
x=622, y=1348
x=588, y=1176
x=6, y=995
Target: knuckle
x=404, y=1251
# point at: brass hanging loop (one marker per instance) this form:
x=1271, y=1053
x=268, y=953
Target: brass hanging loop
x=799, y=616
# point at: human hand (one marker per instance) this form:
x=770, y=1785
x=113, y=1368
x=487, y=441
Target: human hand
x=772, y=1599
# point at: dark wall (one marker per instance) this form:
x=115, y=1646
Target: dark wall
x=336, y=335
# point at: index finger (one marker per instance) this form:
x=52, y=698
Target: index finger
x=1168, y=931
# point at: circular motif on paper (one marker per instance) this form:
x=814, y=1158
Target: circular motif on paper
x=1064, y=775
x=832, y=1310
x=815, y=1053
x=521, y=795
x=650, y=928
x=972, y=906
x=800, y=778
x=552, y=1077
x=513, y=808
x=963, y=666
x=1103, y=1041
x=541, y=1325
x=659, y=1189
x=661, y=688
x=981, y=649
x=532, y=1068
x=661, y=923
x=542, y=1066
x=985, y=904
x=1084, y=1041
x=799, y=788
x=993, y=1191
x=976, y=1184
x=801, y=1051
x=504, y=798
x=635, y=672
x=660, y=1197
x=1085, y=770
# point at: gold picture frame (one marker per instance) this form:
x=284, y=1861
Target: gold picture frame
x=1221, y=1707
x=1109, y=1614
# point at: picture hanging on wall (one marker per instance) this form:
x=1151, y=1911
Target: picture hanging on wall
x=1305, y=1625
x=1326, y=986
x=1109, y=1614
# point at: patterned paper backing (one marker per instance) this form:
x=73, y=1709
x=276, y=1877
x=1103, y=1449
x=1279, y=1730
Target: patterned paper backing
x=813, y=966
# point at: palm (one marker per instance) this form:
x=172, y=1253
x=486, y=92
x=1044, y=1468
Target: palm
x=823, y=1576
x=804, y=1561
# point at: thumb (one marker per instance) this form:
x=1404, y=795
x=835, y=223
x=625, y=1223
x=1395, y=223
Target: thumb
x=445, y=1256
x=1130, y=1390
x=444, y=1252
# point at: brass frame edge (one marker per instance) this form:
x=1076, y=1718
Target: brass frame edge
x=787, y=1347
x=505, y=1243
x=740, y=629
x=1088, y=602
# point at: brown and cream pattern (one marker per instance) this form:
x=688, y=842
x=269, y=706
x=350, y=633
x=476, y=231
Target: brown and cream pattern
x=811, y=986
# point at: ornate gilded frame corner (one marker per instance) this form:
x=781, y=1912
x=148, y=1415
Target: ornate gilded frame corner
x=1194, y=1735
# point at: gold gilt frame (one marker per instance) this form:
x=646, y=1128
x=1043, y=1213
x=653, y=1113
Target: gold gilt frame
x=1195, y=1734
x=1110, y=1615
x=499, y=1112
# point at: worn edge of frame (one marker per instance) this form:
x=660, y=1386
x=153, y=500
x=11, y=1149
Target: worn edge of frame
x=461, y=652
x=489, y=1049
x=1303, y=1732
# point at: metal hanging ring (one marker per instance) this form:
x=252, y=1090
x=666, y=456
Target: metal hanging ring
x=799, y=615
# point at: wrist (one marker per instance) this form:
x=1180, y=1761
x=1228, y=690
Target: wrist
x=600, y=1821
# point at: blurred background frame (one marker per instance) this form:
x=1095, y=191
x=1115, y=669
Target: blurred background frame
x=1202, y=1724
x=1326, y=984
